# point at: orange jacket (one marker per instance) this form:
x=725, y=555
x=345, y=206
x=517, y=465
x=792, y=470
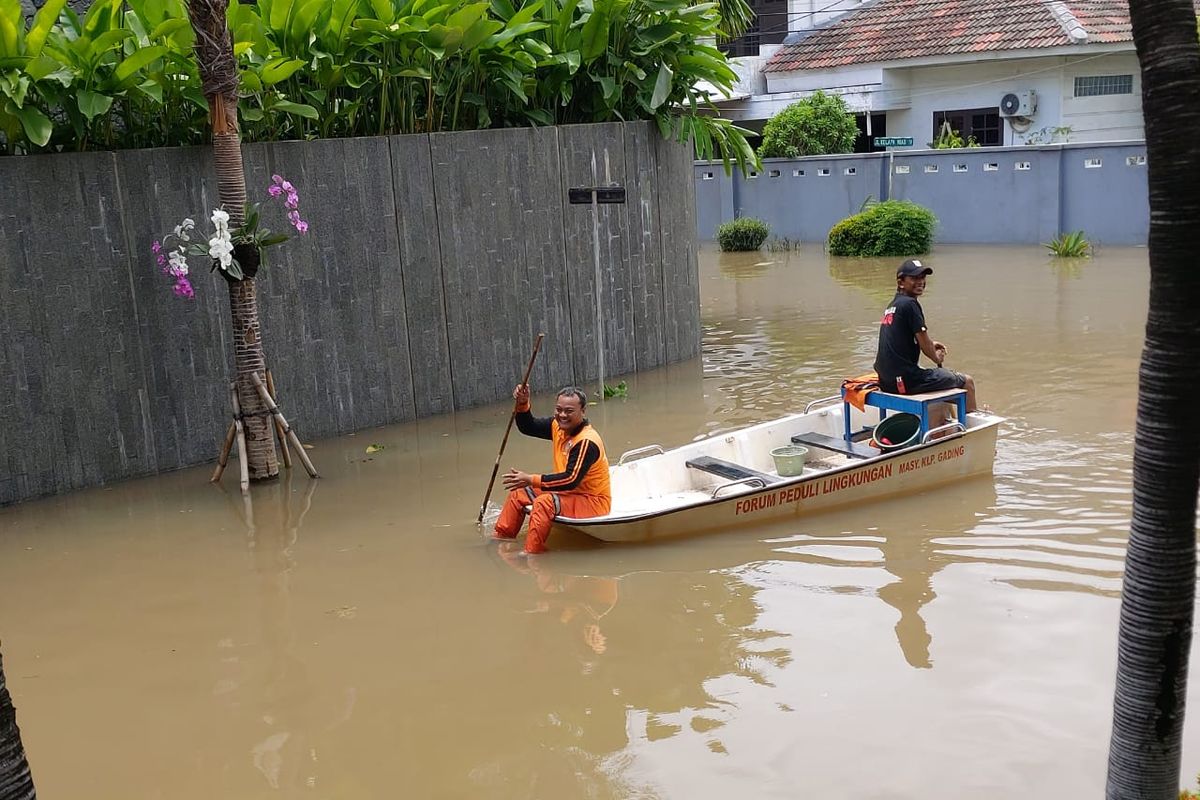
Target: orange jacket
x=580, y=462
x=855, y=390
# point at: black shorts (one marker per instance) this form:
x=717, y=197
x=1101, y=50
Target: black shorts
x=927, y=380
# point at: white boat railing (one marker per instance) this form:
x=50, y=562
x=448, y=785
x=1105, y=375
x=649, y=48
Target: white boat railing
x=953, y=426
x=630, y=455
x=758, y=482
x=820, y=401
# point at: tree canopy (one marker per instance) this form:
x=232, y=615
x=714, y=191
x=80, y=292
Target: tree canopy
x=815, y=126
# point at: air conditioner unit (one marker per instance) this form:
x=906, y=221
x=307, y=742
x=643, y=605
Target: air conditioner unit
x=1018, y=104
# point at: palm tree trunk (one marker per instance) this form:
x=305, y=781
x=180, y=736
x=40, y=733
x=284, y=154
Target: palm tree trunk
x=218, y=74
x=16, y=782
x=1160, y=568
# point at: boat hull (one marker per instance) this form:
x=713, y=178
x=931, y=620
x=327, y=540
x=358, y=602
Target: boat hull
x=908, y=471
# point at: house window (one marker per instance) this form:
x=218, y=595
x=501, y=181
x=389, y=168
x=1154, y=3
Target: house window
x=1096, y=85
x=981, y=124
x=770, y=26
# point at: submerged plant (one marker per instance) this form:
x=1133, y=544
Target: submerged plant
x=1069, y=245
x=620, y=390
x=742, y=234
x=890, y=228
x=779, y=244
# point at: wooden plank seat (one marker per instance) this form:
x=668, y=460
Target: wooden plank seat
x=729, y=470
x=823, y=442
x=917, y=404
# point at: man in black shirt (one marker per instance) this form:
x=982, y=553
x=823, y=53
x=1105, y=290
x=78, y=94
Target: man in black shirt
x=903, y=337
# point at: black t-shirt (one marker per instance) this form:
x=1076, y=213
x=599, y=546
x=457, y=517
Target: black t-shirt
x=898, y=349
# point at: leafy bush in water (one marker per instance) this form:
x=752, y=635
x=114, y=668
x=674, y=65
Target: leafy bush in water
x=815, y=126
x=744, y=233
x=124, y=74
x=890, y=228
x=1069, y=245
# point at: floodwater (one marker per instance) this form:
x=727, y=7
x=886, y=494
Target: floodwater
x=356, y=637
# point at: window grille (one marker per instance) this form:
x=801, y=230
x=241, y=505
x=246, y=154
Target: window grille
x=1097, y=85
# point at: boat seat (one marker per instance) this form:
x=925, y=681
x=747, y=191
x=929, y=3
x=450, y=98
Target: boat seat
x=820, y=440
x=917, y=404
x=727, y=469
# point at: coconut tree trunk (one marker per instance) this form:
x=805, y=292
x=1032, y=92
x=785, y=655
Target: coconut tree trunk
x=1160, y=568
x=218, y=74
x=16, y=782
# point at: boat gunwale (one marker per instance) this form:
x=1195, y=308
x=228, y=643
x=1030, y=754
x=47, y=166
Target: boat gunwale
x=581, y=523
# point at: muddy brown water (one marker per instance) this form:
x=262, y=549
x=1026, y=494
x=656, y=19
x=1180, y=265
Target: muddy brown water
x=356, y=638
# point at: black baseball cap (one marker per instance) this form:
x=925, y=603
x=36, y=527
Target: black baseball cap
x=913, y=269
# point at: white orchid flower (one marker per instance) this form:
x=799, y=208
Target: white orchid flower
x=182, y=229
x=221, y=248
x=220, y=221
x=179, y=265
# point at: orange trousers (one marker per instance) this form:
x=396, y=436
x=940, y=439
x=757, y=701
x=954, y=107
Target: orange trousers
x=545, y=506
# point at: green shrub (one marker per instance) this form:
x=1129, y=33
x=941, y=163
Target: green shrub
x=125, y=75
x=815, y=126
x=744, y=233
x=890, y=228
x=1069, y=245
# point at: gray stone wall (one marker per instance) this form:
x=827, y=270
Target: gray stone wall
x=432, y=263
x=992, y=195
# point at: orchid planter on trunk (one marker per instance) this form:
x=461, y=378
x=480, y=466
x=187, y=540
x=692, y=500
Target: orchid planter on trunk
x=238, y=253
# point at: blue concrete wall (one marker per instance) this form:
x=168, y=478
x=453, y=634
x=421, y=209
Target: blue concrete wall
x=995, y=195
x=1105, y=192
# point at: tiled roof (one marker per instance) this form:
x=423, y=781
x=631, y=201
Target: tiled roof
x=892, y=30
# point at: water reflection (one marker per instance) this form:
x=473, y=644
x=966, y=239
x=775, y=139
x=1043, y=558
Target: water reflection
x=269, y=678
x=578, y=602
x=908, y=543
x=874, y=277
x=643, y=672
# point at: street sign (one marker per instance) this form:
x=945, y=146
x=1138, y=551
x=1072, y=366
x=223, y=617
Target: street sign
x=893, y=141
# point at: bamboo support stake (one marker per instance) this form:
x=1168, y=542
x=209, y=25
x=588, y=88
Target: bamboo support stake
x=241, y=439
x=291, y=434
x=223, y=459
x=279, y=432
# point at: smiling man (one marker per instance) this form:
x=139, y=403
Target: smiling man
x=579, y=485
x=903, y=337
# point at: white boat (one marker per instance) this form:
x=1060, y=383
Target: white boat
x=729, y=479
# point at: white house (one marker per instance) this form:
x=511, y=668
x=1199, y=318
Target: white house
x=1005, y=72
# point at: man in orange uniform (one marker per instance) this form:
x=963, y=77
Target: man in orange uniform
x=578, y=487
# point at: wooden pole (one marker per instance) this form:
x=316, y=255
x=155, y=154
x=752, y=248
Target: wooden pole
x=537, y=345
x=291, y=434
x=241, y=439
x=279, y=432
x=223, y=458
